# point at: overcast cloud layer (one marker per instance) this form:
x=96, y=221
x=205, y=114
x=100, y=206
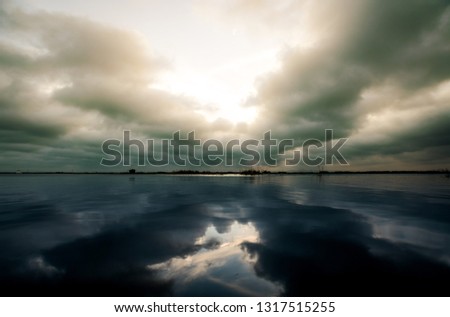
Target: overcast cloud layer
x=377, y=73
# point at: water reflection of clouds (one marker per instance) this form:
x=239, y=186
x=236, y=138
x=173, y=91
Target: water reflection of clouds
x=39, y=266
x=274, y=235
x=397, y=217
x=425, y=237
x=221, y=262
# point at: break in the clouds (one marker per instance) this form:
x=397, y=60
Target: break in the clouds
x=73, y=75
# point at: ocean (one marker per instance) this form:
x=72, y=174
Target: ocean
x=232, y=235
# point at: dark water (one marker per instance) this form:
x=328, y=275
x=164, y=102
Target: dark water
x=104, y=235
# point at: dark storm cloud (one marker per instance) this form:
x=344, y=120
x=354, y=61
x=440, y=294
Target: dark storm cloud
x=301, y=94
x=404, y=39
x=397, y=44
x=354, y=66
x=11, y=57
x=431, y=133
x=80, y=46
x=127, y=103
x=62, y=76
x=19, y=123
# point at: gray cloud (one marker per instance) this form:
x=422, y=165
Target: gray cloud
x=67, y=83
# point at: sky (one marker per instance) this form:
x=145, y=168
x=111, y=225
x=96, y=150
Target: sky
x=74, y=74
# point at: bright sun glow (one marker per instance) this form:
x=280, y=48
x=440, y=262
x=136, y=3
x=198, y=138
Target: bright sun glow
x=221, y=91
x=215, y=98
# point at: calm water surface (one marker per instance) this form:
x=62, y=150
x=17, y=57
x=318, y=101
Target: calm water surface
x=272, y=235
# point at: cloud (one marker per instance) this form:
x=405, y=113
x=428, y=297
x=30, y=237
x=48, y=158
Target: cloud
x=376, y=74
x=78, y=46
x=340, y=81
x=69, y=80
